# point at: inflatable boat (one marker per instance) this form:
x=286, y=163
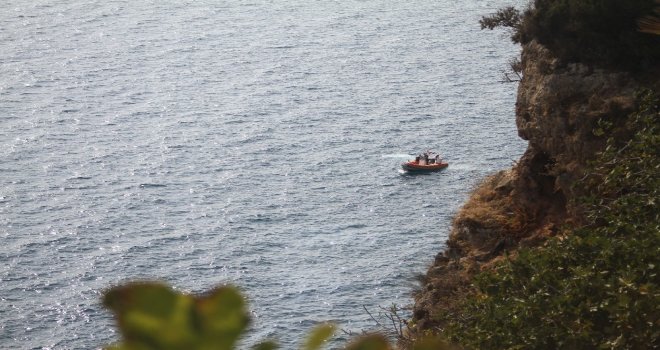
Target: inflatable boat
x=413, y=166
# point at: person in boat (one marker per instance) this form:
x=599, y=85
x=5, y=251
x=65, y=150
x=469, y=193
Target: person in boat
x=437, y=158
x=426, y=158
x=417, y=159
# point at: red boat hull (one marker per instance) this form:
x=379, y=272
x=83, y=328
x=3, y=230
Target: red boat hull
x=416, y=167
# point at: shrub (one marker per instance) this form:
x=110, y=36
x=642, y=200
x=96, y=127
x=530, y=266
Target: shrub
x=598, y=32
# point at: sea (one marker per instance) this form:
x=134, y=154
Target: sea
x=247, y=142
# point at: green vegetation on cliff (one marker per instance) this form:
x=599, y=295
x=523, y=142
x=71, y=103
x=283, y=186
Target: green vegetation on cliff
x=600, y=32
x=591, y=287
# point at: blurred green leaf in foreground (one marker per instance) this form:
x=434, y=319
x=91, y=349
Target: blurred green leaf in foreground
x=152, y=316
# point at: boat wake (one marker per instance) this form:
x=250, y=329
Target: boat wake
x=397, y=155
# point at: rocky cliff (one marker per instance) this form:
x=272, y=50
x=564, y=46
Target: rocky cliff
x=560, y=108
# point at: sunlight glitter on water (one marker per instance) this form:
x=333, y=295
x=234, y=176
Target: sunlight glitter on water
x=257, y=144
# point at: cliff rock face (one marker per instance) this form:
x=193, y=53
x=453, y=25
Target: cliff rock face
x=557, y=110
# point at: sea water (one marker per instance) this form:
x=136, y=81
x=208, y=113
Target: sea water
x=255, y=143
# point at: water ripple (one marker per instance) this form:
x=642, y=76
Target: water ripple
x=251, y=143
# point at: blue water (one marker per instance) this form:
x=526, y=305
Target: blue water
x=256, y=143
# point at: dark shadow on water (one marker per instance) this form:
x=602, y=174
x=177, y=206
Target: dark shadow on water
x=409, y=174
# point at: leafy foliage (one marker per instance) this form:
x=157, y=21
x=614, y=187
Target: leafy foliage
x=508, y=17
x=595, y=286
x=601, y=32
x=319, y=336
x=152, y=316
